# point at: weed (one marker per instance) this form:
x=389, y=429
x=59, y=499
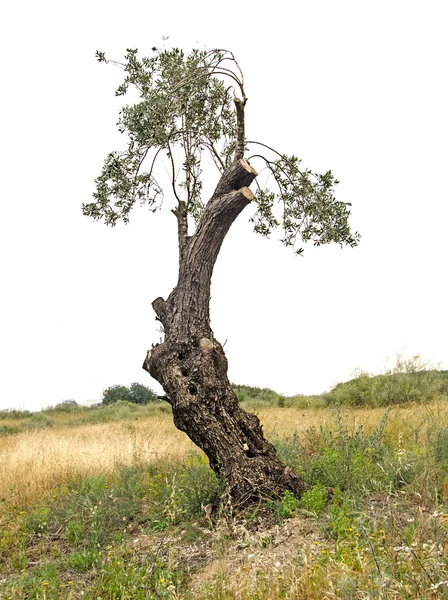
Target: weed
x=315, y=499
x=74, y=532
x=38, y=520
x=286, y=507
x=83, y=561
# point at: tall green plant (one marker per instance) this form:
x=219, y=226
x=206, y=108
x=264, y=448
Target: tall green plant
x=137, y=393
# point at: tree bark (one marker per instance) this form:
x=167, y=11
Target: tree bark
x=192, y=368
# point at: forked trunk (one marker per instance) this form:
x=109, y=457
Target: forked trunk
x=192, y=368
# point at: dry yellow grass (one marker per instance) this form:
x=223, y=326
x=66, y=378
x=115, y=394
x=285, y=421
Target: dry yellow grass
x=281, y=422
x=34, y=461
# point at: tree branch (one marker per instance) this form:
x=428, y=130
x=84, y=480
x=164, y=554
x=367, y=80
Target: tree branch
x=181, y=214
x=163, y=311
x=241, y=142
x=215, y=155
x=173, y=173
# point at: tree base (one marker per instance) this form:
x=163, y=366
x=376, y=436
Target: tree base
x=194, y=377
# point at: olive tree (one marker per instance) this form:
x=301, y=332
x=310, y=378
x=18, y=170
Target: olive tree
x=187, y=107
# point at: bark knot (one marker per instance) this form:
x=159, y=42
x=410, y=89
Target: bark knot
x=206, y=344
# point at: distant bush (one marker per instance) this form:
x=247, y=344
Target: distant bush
x=302, y=402
x=14, y=414
x=116, y=411
x=8, y=430
x=67, y=406
x=408, y=381
x=140, y=394
x=123, y=410
x=38, y=421
x=114, y=393
x=137, y=393
x=247, y=392
x=255, y=397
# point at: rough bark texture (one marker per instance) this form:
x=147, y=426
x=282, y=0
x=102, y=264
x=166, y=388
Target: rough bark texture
x=192, y=368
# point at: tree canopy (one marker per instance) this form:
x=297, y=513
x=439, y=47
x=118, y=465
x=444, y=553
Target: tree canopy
x=136, y=393
x=189, y=105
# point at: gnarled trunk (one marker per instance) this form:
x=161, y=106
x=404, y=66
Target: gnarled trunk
x=192, y=368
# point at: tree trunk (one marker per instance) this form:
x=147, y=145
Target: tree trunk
x=192, y=368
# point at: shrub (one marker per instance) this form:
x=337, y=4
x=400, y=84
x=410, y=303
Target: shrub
x=38, y=421
x=137, y=394
x=117, y=411
x=410, y=380
x=286, y=507
x=66, y=406
x=315, y=499
x=114, y=393
x=8, y=430
x=303, y=402
x=246, y=393
x=439, y=438
x=140, y=394
x=356, y=392
x=354, y=459
x=14, y=414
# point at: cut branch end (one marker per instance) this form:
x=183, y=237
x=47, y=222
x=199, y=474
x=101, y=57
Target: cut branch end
x=245, y=163
x=145, y=365
x=247, y=193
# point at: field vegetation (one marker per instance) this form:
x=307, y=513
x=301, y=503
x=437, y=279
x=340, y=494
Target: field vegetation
x=113, y=502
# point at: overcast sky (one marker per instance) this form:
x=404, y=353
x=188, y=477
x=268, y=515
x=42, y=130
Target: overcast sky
x=353, y=86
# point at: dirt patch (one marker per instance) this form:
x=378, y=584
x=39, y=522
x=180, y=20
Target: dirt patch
x=248, y=554
x=233, y=553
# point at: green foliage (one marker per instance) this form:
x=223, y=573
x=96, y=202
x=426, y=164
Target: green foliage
x=360, y=462
x=74, y=532
x=44, y=583
x=341, y=516
x=185, y=108
x=183, y=105
x=79, y=415
x=38, y=520
x=356, y=392
x=115, y=393
x=246, y=393
x=83, y=561
x=8, y=430
x=310, y=210
x=140, y=394
x=136, y=394
x=287, y=506
x=439, y=438
x=255, y=397
x=349, y=458
x=179, y=495
x=315, y=499
x=302, y=401
x=14, y=414
x=68, y=406
x=39, y=421
x=97, y=510
x=393, y=387
x=123, y=577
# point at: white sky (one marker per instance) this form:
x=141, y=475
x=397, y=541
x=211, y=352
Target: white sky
x=354, y=86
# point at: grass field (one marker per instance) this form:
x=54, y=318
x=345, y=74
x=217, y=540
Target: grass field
x=110, y=503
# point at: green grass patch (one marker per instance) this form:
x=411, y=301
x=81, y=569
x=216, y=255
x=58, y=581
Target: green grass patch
x=390, y=389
